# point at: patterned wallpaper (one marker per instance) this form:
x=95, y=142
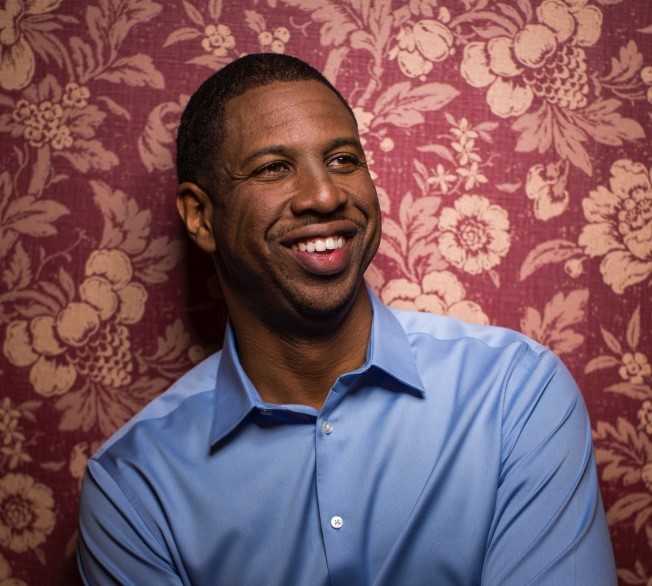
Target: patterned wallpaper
x=510, y=144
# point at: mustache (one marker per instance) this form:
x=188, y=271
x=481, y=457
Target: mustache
x=316, y=220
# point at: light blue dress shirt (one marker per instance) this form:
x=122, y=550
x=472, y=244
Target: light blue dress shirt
x=458, y=454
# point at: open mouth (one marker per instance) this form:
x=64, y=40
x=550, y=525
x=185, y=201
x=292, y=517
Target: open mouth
x=319, y=244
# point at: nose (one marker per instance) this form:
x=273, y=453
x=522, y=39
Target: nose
x=317, y=192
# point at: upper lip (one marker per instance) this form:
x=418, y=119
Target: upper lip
x=345, y=228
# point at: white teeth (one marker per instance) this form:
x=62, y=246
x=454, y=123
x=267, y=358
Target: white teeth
x=319, y=244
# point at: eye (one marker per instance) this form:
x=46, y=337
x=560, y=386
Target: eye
x=344, y=163
x=272, y=170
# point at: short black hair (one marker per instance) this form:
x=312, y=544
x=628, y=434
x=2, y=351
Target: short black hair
x=202, y=126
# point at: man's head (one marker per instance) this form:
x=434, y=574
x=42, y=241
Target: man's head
x=286, y=205
x=201, y=130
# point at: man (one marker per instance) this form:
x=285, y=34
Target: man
x=333, y=440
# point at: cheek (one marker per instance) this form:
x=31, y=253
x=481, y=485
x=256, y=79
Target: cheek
x=248, y=220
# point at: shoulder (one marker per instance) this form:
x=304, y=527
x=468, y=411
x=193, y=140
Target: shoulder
x=450, y=329
x=189, y=389
x=450, y=349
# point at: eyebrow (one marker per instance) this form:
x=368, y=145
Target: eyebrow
x=279, y=149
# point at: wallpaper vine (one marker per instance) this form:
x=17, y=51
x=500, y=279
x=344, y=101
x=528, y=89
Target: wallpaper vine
x=510, y=144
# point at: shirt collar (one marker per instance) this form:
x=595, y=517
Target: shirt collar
x=389, y=351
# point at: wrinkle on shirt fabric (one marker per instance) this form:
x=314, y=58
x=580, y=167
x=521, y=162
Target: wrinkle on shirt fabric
x=458, y=454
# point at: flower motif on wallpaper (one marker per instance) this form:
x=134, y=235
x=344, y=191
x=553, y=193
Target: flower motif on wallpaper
x=474, y=234
x=75, y=337
x=645, y=417
x=274, y=41
x=26, y=512
x=546, y=186
x=86, y=338
x=218, y=40
x=62, y=120
x=420, y=45
x=543, y=59
x=13, y=441
x=465, y=167
x=534, y=67
x=439, y=292
x=215, y=38
x=635, y=368
x=20, y=20
x=632, y=366
x=620, y=225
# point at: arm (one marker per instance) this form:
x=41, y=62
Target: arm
x=116, y=545
x=549, y=526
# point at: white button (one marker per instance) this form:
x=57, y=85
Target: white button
x=327, y=427
x=336, y=522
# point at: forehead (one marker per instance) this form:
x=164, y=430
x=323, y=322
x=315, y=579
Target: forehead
x=286, y=111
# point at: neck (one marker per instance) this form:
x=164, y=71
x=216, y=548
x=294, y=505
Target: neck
x=302, y=368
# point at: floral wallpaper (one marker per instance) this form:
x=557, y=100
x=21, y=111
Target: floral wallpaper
x=510, y=145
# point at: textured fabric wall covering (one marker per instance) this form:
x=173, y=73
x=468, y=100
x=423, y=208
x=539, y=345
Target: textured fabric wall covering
x=510, y=144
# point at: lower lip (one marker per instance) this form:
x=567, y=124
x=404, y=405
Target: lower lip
x=325, y=263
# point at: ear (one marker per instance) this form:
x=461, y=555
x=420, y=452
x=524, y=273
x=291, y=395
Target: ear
x=196, y=210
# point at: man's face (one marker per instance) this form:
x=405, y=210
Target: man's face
x=296, y=219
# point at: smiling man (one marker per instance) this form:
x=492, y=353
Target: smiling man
x=334, y=440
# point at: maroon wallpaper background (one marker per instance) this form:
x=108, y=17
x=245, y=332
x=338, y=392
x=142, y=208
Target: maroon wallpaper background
x=510, y=145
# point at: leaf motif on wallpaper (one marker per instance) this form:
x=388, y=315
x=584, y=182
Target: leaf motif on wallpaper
x=106, y=407
x=171, y=346
x=156, y=143
x=88, y=155
x=255, y=21
x=135, y=70
x=126, y=226
x=411, y=242
x=555, y=328
x=624, y=78
x=402, y=105
x=336, y=22
x=549, y=252
x=640, y=577
x=622, y=451
x=185, y=33
x=171, y=357
x=18, y=273
x=113, y=19
x=108, y=24
x=627, y=457
x=33, y=217
x=567, y=131
x=158, y=259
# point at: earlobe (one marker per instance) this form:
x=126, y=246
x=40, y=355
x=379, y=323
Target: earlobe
x=196, y=211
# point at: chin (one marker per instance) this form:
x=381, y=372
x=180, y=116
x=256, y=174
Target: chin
x=327, y=310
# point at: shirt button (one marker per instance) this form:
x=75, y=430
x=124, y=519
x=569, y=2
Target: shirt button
x=327, y=428
x=336, y=522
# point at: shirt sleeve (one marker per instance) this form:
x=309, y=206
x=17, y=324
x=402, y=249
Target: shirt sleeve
x=116, y=545
x=549, y=525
